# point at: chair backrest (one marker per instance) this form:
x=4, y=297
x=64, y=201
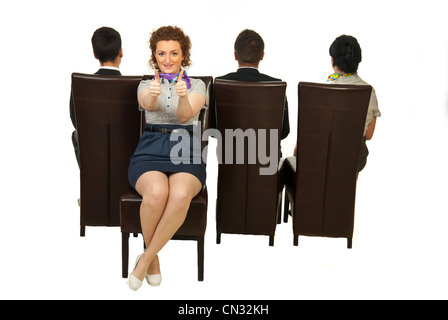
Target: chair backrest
x=247, y=200
x=204, y=117
x=109, y=126
x=330, y=128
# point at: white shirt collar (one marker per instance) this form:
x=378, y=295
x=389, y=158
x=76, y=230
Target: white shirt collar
x=247, y=68
x=110, y=68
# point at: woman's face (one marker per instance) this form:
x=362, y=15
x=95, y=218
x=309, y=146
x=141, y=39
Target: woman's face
x=169, y=56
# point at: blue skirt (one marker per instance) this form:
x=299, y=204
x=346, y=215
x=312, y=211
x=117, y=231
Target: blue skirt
x=168, y=153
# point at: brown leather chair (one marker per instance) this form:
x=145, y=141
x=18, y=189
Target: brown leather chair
x=248, y=202
x=108, y=123
x=195, y=223
x=321, y=181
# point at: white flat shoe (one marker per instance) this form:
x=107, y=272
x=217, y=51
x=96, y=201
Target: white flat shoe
x=154, y=279
x=133, y=282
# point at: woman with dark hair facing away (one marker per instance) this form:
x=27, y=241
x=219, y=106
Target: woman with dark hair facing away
x=172, y=102
x=345, y=53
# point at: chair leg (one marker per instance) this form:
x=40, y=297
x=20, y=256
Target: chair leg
x=286, y=209
x=279, y=208
x=124, y=254
x=271, y=241
x=218, y=238
x=83, y=231
x=201, y=259
x=296, y=240
x=349, y=243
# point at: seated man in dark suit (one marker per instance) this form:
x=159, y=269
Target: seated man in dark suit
x=249, y=51
x=106, y=43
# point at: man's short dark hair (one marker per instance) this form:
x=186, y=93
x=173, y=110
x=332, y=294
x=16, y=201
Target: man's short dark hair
x=249, y=47
x=106, y=43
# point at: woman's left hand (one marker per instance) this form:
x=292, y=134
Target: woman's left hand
x=181, y=86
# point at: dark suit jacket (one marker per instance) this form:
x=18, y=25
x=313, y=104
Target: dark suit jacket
x=251, y=75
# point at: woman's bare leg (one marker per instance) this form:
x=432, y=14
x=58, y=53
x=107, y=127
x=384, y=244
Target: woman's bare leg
x=153, y=187
x=183, y=187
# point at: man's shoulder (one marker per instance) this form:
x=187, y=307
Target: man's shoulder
x=268, y=78
x=229, y=76
x=108, y=72
x=248, y=74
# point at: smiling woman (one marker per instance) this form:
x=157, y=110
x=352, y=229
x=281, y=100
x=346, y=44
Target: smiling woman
x=171, y=101
x=169, y=56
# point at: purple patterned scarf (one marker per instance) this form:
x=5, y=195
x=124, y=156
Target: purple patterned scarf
x=171, y=77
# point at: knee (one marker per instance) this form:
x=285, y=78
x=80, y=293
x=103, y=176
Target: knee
x=155, y=197
x=180, y=198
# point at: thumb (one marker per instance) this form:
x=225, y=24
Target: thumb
x=156, y=75
x=181, y=74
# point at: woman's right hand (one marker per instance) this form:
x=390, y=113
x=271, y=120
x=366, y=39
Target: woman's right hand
x=149, y=98
x=154, y=87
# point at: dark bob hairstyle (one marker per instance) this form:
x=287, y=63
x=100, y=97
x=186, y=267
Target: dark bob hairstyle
x=346, y=53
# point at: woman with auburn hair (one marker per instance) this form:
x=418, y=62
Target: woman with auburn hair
x=172, y=102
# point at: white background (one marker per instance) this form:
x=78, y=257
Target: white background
x=400, y=236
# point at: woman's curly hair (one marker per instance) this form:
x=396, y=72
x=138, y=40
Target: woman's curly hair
x=170, y=33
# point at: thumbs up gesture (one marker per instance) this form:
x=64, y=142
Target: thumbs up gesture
x=154, y=87
x=181, y=86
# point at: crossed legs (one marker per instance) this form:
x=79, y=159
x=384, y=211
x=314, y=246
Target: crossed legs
x=165, y=203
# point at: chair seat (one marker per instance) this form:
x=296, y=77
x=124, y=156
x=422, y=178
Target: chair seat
x=194, y=225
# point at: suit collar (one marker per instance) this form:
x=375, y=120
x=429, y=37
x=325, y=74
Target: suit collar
x=109, y=68
x=107, y=71
x=248, y=70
